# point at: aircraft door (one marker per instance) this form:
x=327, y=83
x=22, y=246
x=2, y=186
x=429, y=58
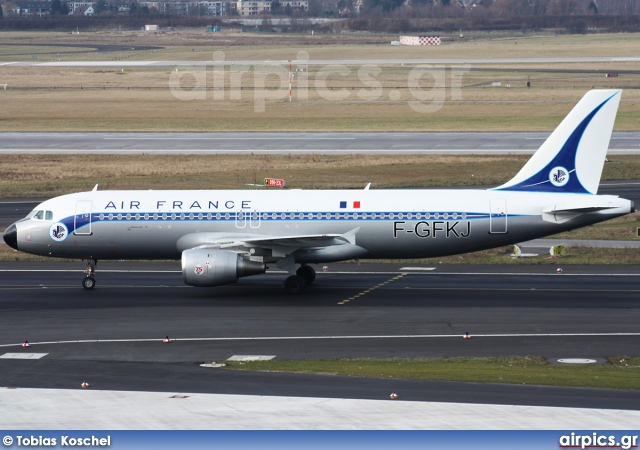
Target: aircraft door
x=82, y=219
x=498, y=216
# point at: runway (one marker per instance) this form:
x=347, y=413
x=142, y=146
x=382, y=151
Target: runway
x=113, y=335
x=290, y=143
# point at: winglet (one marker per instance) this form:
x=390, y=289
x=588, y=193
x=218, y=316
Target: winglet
x=572, y=158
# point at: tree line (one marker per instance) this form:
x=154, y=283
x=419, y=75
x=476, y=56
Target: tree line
x=388, y=16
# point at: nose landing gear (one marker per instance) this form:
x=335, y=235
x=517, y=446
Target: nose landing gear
x=89, y=280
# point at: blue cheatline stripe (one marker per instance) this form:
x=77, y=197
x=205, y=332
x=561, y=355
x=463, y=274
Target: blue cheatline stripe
x=273, y=216
x=566, y=157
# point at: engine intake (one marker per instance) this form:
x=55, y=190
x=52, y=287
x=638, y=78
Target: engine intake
x=208, y=267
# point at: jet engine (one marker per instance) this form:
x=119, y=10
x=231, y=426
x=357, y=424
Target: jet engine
x=209, y=267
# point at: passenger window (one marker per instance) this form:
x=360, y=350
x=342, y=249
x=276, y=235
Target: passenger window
x=39, y=215
x=48, y=215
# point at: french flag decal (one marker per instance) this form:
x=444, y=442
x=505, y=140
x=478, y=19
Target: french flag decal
x=356, y=205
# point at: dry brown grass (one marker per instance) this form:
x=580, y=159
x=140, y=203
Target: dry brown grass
x=159, y=110
x=49, y=175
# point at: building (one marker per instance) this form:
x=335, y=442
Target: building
x=251, y=7
x=79, y=7
x=190, y=8
x=27, y=8
x=213, y=8
x=296, y=6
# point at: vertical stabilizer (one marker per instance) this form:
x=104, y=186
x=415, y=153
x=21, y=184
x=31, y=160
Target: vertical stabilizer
x=571, y=159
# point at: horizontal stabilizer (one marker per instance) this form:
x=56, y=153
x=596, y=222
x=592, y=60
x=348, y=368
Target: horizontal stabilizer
x=561, y=214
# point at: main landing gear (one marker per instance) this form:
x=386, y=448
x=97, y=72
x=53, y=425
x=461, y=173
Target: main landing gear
x=89, y=281
x=304, y=276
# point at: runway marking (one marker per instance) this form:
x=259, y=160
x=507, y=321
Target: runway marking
x=300, y=338
x=344, y=302
x=320, y=151
x=251, y=358
x=19, y=203
x=425, y=272
x=153, y=138
x=23, y=355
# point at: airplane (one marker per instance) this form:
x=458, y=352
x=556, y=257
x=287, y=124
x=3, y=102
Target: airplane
x=223, y=235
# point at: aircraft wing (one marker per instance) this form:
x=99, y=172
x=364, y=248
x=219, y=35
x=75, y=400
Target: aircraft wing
x=280, y=246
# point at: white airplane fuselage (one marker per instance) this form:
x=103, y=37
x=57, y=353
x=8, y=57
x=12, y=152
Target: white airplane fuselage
x=389, y=223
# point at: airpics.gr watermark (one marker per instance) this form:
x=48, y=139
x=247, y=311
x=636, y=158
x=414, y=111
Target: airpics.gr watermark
x=426, y=85
x=596, y=440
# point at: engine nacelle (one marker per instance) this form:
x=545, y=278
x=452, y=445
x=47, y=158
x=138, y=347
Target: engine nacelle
x=209, y=267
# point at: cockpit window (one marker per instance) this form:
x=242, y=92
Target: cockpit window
x=40, y=215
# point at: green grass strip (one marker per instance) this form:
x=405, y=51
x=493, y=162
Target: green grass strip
x=618, y=373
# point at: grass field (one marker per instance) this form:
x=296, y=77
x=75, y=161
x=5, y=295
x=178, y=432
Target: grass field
x=256, y=98
x=195, y=44
x=150, y=110
x=619, y=373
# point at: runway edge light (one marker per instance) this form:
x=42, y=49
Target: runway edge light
x=393, y=396
x=466, y=335
x=84, y=385
x=166, y=340
x=26, y=344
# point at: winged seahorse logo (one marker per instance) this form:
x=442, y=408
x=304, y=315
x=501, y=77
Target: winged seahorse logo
x=559, y=176
x=58, y=231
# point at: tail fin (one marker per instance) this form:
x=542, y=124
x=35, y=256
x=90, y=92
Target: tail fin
x=571, y=159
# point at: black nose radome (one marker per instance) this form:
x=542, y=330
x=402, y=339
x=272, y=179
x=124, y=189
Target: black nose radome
x=11, y=236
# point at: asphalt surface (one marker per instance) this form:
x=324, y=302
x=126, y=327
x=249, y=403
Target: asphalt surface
x=77, y=48
x=113, y=335
x=489, y=143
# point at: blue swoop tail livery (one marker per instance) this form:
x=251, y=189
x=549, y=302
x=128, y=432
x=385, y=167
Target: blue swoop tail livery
x=221, y=236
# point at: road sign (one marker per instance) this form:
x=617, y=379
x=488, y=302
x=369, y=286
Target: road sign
x=274, y=182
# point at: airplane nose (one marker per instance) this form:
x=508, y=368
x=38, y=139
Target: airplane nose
x=11, y=236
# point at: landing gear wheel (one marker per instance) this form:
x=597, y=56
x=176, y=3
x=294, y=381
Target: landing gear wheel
x=295, y=284
x=307, y=273
x=89, y=274
x=88, y=283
